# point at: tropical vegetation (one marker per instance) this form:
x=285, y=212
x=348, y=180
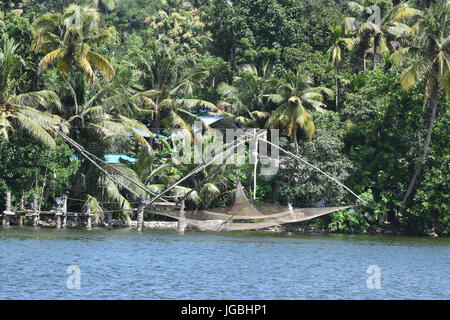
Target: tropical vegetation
x=358, y=88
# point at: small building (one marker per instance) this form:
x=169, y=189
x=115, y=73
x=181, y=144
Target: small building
x=219, y=123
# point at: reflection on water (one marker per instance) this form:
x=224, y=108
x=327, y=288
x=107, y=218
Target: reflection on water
x=122, y=264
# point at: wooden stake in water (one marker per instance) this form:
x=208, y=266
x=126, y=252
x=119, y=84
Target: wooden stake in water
x=20, y=214
x=109, y=220
x=35, y=210
x=64, y=211
x=58, y=213
x=181, y=219
x=89, y=217
x=7, y=209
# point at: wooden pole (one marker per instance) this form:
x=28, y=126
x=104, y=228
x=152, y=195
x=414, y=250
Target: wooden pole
x=140, y=214
x=256, y=166
x=58, y=213
x=7, y=209
x=181, y=219
x=89, y=217
x=35, y=209
x=20, y=214
x=64, y=211
x=109, y=220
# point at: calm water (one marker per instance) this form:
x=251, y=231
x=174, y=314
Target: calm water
x=162, y=265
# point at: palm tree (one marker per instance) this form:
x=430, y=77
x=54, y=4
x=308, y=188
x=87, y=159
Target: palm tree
x=430, y=52
x=21, y=110
x=158, y=172
x=340, y=43
x=245, y=100
x=67, y=38
x=169, y=87
x=297, y=98
x=103, y=116
x=374, y=36
x=108, y=4
x=111, y=112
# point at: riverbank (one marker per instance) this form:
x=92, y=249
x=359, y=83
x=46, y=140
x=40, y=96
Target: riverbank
x=295, y=228
x=387, y=229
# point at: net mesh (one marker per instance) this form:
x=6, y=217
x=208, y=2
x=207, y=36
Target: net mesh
x=243, y=215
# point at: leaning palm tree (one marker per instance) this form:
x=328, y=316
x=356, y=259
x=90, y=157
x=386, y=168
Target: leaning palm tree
x=430, y=53
x=26, y=110
x=67, y=39
x=297, y=99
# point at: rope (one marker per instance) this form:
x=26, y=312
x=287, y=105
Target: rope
x=255, y=136
x=83, y=152
x=314, y=167
x=197, y=169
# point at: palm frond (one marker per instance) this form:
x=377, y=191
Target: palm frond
x=95, y=208
x=51, y=57
x=43, y=98
x=111, y=191
x=35, y=130
x=100, y=62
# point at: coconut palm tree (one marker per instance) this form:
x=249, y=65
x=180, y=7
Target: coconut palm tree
x=245, y=101
x=169, y=85
x=104, y=117
x=297, y=99
x=340, y=43
x=67, y=39
x=110, y=112
x=107, y=4
x=377, y=35
x=25, y=110
x=430, y=53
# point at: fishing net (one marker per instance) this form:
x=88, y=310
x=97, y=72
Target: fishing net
x=243, y=215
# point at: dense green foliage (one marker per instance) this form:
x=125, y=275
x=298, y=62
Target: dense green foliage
x=353, y=96
x=29, y=168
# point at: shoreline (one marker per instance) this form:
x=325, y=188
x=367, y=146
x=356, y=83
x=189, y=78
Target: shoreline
x=387, y=230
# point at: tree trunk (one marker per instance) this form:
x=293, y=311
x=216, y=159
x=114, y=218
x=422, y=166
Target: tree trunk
x=156, y=123
x=337, y=92
x=232, y=58
x=374, y=58
x=364, y=62
x=295, y=140
x=425, y=147
x=140, y=215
